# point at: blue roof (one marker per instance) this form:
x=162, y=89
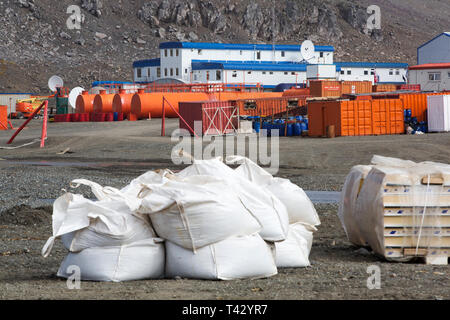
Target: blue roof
x=147, y=63
x=371, y=65
x=15, y=93
x=238, y=46
x=105, y=83
x=239, y=65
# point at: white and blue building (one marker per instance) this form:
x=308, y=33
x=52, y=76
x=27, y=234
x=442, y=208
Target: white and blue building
x=269, y=65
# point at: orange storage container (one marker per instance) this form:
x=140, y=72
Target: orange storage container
x=3, y=117
x=384, y=88
x=356, y=87
x=325, y=88
x=356, y=118
x=296, y=92
x=268, y=106
x=122, y=102
x=103, y=102
x=85, y=102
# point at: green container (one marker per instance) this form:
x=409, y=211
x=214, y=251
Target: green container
x=62, y=105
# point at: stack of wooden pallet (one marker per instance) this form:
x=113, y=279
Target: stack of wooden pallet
x=401, y=211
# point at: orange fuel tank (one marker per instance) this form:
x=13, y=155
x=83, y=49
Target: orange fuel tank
x=145, y=104
x=122, y=102
x=103, y=102
x=85, y=102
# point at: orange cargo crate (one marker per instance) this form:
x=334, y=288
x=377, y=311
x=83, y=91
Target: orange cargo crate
x=268, y=106
x=321, y=88
x=356, y=118
x=356, y=87
x=3, y=117
x=384, y=88
x=417, y=102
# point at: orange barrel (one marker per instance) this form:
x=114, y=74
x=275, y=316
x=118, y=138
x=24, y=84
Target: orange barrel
x=145, y=104
x=122, y=102
x=103, y=102
x=85, y=102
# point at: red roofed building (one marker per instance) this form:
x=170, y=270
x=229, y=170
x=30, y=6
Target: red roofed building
x=431, y=76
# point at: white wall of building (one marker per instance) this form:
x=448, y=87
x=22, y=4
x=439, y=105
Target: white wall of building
x=428, y=79
x=394, y=75
x=435, y=51
x=268, y=78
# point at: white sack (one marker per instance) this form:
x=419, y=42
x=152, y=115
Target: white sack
x=294, y=251
x=298, y=205
x=137, y=261
x=268, y=209
x=234, y=258
x=197, y=211
x=85, y=223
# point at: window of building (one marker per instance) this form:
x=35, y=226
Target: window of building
x=258, y=55
x=263, y=72
x=171, y=72
x=165, y=52
x=158, y=72
x=177, y=72
x=321, y=54
x=249, y=72
x=397, y=72
x=234, y=75
x=434, y=76
x=366, y=72
x=285, y=73
x=349, y=72
x=449, y=75
x=165, y=72
x=342, y=71
x=391, y=72
x=199, y=52
x=293, y=73
x=177, y=52
x=271, y=72
x=218, y=75
x=195, y=76
x=185, y=71
x=372, y=72
x=207, y=75
x=283, y=53
x=240, y=52
x=171, y=52
x=139, y=73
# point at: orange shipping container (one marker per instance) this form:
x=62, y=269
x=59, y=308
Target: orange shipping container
x=320, y=88
x=268, y=106
x=356, y=118
x=3, y=117
x=85, y=102
x=296, y=92
x=384, y=88
x=417, y=103
x=356, y=87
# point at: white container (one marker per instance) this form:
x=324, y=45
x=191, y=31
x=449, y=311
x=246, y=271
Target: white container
x=439, y=113
x=321, y=72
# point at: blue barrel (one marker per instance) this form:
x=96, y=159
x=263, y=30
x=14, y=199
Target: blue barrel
x=408, y=113
x=297, y=129
x=299, y=118
x=290, y=130
x=257, y=127
x=304, y=126
x=282, y=128
x=116, y=116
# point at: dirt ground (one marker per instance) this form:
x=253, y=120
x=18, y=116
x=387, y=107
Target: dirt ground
x=115, y=153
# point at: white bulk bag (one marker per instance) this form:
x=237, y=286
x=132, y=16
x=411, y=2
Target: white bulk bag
x=233, y=258
x=298, y=205
x=85, y=223
x=197, y=211
x=294, y=251
x=268, y=209
x=136, y=261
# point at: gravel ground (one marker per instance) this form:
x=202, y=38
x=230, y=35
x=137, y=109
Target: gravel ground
x=114, y=154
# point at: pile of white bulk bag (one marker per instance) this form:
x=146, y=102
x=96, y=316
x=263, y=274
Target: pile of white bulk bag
x=205, y=222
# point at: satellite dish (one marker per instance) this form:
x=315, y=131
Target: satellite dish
x=307, y=50
x=73, y=95
x=96, y=90
x=55, y=82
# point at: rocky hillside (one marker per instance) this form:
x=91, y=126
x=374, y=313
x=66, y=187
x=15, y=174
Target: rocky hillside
x=36, y=42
